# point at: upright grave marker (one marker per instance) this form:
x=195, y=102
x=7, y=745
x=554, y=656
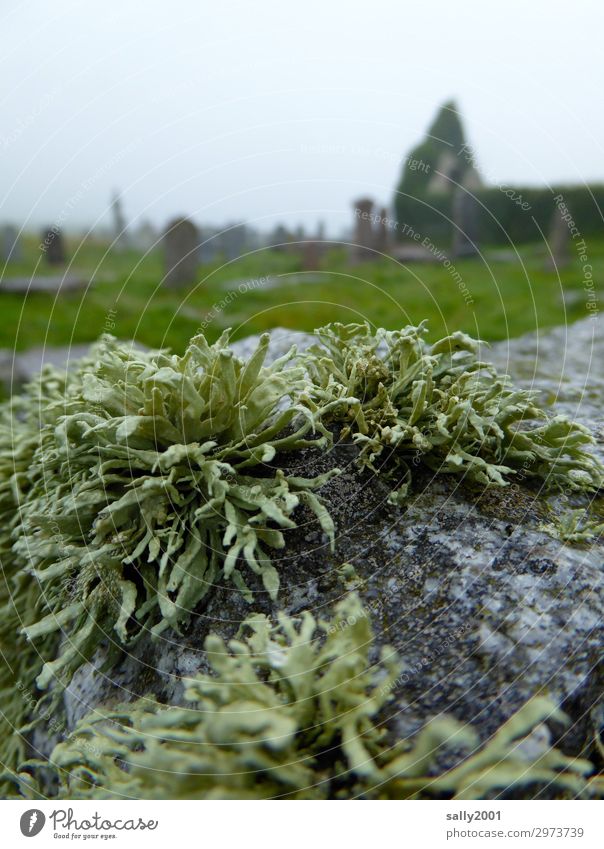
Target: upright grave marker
x=181, y=252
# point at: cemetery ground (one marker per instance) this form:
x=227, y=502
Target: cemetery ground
x=499, y=295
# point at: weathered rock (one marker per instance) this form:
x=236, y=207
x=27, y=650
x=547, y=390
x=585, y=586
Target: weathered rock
x=55, y=284
x=483, y=607
x=17, y=368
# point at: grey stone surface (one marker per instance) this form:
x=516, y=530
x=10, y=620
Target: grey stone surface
x=55, y=284
x=563, y=364
x=484, y=609
x=18, y=368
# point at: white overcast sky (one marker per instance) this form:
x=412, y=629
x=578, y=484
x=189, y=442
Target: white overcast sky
x=267, y=111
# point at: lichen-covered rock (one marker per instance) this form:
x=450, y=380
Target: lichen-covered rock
x=291, y=711
x=484, y=608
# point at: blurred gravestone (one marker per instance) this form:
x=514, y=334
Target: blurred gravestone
x=311, y=255
x=121, y=240
x=465, y=223
x=381, y=236
x=558, y=241
x=181, y=252
x=280, y=238
x=145, y=237
x=234, y=240
x=363, y=238
x=209, y=245
x=53, y=246
x=10, y=249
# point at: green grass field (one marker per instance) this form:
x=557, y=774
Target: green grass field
x=508, y=297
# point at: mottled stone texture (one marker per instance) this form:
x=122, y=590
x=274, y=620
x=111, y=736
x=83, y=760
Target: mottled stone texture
x=484, y=608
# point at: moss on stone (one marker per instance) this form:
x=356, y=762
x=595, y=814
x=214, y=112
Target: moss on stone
x=291, y=712
x=440, y=406
x=133, y=484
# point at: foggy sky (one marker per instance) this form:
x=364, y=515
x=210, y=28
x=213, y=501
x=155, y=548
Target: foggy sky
x=271, y=111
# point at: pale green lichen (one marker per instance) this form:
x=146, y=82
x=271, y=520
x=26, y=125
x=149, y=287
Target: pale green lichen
x=131, y=485
x=440, y=405
x=574, y=526
x=149, y=481
x=20, y=597
x=293, y=712
x=510, y=759
x=19, y=602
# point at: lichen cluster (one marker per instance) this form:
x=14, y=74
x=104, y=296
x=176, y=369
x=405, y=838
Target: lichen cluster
x=574, y=526
x=292, y=712
x=406, y=402
x=20, y=597
x=132, y=485
x=149, y=482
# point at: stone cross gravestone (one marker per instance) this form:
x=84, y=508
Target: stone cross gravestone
x=181, y=252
